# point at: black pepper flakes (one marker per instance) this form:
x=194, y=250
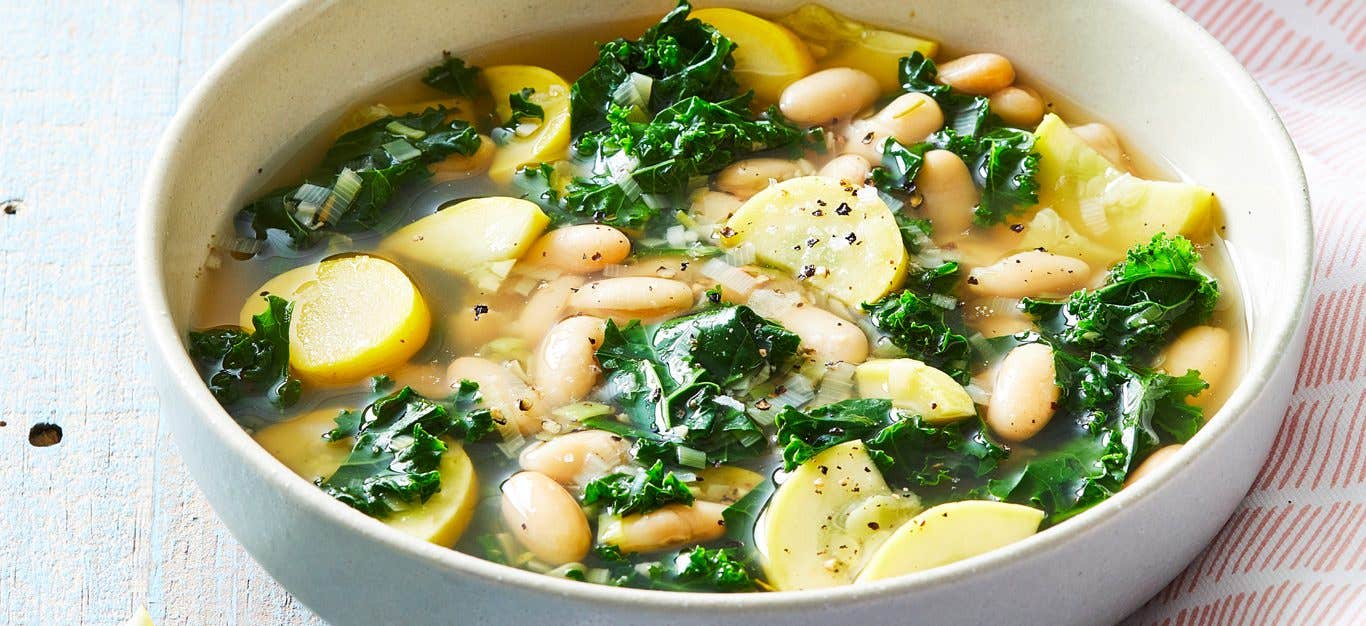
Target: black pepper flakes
x=1019, y=228
x=480, y=309
x=851, y=238
x=843, y=209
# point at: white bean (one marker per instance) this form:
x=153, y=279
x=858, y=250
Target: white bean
x=1030, y=273
x=502, y=390
x=1103, y=139
x=743, y=179
x=849, y=169
x=633, y=297
x=670, y=526
x=545, y=519
x=581, y=249
x=1205, y=349
x=980, y=74
x=828, y=95
x=911, y=117
x=1018, y=106
x=566, y=458
x=1025, y=393
x=546, y=306
x=830, y=337
x=565, y=367
x=1158, y=458
x=949, y=194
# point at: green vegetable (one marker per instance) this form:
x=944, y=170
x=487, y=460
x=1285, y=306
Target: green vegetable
x=743, y=514
x=900, y=165
x=707, y=569
x=1156, y=291
x=1120, y=415
x=523, y=109
x=682, y=57
x=454, y=77
x=393, y=462
x=243, y=363
x=673, y=382
x=360, y=169
x=921, y=328
x=908, y=450
x=381, y=382
x=691, y=138
x=697, y=569
x=624, y=494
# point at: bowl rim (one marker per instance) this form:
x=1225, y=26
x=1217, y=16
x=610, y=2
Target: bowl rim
x=168, y=352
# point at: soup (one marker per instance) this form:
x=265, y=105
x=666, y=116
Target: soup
x=751, y=304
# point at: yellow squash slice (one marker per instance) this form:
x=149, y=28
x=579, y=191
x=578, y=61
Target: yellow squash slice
x=951, y=532
x=360, y=316
x=546, y=141
x=299, y=444
x=480, y=239
x=827, y=519
x=768, y=57
x=915, y=387
x=1111, y=208
x=841, y=239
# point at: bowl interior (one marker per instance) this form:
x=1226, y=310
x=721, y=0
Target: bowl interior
x=1141, y=66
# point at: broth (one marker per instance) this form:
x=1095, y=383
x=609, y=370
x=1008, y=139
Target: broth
x=501, y=327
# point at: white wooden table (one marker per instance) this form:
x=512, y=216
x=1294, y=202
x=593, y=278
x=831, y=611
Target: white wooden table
x=107, y=520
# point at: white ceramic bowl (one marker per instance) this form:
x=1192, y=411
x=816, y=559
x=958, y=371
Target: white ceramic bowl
x=1141, y=64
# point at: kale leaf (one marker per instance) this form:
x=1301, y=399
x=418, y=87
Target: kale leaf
x=707, y=569
x=909, y=451
x=679, y=57
x=1156, y=291
x=900, y=165
x=523, y=109
x=921, y=328
x=454, y=77
x=395, y=458
x=624, y=494
x=699, y=568
x=245, y=363
x=690, y=138
x=673, y=381
x=1118, y=415
x=350, y=190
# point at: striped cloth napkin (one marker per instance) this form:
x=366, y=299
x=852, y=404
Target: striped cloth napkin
x=1295, y=550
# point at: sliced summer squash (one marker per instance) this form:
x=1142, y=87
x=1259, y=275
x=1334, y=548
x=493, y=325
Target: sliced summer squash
x=768, y=57
x=828, y=518
x=359, y=317
x=841, y=42
x=480, y=239
x=299, y=444
x=1114, y=209
x=843, y=240
x=912, y=385
x=549, y=140
x=950, y=532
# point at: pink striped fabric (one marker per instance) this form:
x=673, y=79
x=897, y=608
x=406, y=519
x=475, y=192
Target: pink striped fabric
x=1295, y=551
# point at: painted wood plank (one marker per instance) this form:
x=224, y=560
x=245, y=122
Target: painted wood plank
x=84, y=92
